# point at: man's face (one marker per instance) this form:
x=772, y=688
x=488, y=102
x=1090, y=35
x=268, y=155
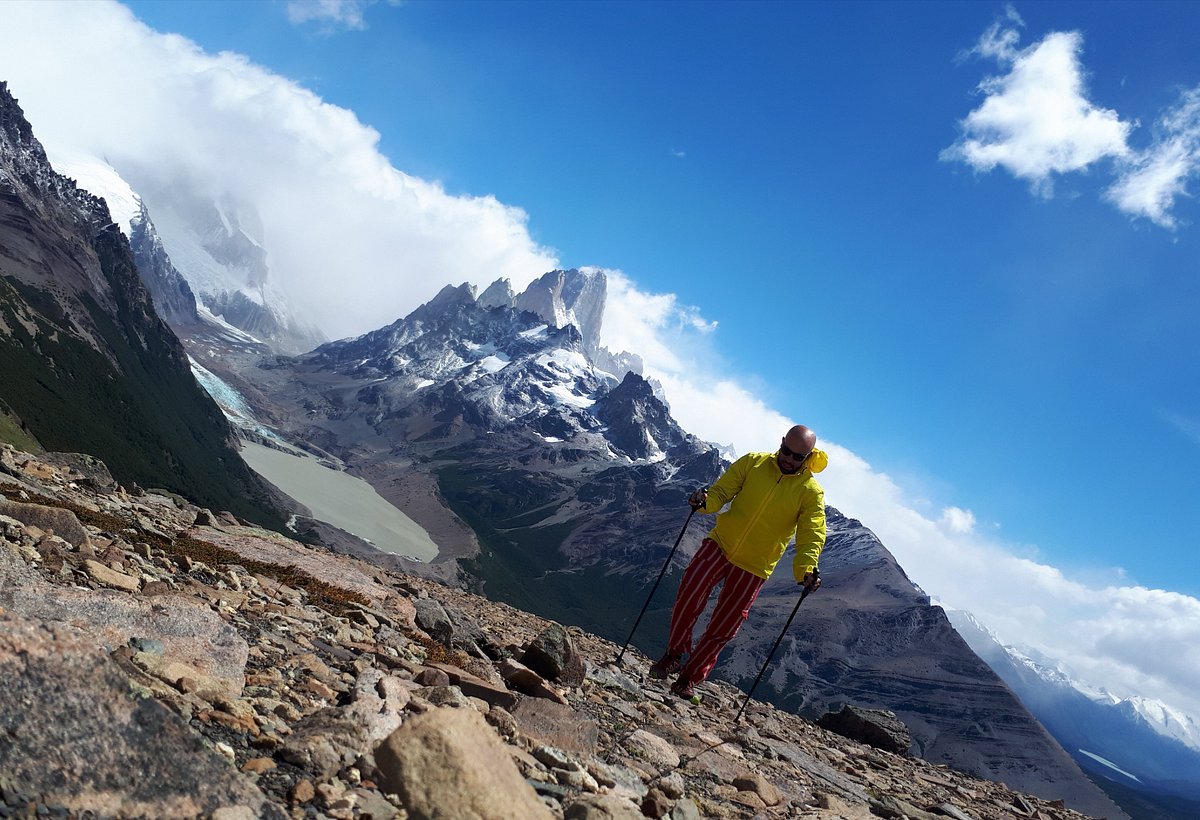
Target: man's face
x=792, y=455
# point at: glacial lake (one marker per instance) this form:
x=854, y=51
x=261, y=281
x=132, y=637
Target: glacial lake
x=342, y=500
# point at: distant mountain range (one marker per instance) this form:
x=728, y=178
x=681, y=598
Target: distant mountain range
x=1139, y=750
x=547, y=468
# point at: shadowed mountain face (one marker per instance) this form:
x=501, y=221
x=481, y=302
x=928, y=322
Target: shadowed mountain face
x=87, y=364
x=570, y=485
x=1148, y=773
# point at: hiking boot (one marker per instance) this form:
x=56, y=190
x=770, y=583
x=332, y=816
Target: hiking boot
x=685, y=689
x=666, y=666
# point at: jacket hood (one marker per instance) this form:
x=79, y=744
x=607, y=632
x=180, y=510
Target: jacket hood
x=818, y=461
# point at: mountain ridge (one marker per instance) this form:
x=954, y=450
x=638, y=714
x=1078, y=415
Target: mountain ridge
x=87, y=362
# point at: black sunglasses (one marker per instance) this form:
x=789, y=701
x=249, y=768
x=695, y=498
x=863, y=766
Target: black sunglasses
x=784, y=451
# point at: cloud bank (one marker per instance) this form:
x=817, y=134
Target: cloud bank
x=355, y=242
x=1037, y=122
x=362, y=243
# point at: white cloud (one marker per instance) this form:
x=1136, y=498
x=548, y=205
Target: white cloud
x=1036, y=121
x=354, y=240
x=1151, y=180
x=957, y=520
x=345, y=13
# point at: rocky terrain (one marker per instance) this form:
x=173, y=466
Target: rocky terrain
x=160, y=659
x=558, y=489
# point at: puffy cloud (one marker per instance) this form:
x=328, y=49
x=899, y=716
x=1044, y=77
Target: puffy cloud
x=1151, y=180
x=957, y=520
x=351, y=238
x=1036, y=121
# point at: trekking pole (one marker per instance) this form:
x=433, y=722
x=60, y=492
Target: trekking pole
x=770, y=655
x=655, y=587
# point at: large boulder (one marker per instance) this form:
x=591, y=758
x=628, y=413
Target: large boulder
x=62, y=523
x=875, y=727
x=196, y=643
x=450, y=763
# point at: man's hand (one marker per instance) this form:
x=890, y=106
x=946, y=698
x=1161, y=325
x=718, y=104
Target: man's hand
x=699, y=498
x=811, y=582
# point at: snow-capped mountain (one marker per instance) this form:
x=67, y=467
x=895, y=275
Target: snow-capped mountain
x=86, y=363
x=1140, y=744
x=558, y=485
x=215, y=245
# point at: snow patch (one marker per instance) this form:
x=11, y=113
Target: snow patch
x=494, y=363
x=1109, y=764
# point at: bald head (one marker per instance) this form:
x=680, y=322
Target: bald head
x=800, y=439
x=796, y=446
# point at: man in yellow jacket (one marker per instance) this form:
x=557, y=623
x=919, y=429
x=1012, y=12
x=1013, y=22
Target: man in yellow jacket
x=772, y=497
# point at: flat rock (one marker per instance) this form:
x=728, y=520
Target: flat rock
x=476, y=687
x=273, y=548
x=651, y=748
x=63, y=522
x=192, y=635
x=110, y=577
x=557, y=725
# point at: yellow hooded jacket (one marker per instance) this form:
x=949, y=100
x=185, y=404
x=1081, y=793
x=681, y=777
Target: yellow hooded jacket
x=768, y=508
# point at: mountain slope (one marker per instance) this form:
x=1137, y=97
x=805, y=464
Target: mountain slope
x=88, y=365
x=213, y=248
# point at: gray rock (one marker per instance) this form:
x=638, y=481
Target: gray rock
x=196, y=641
x=432, y=618
x=615, y=679
x=63, y=522
x=552, y=655
x=334, y=737
x=557, y=725
x=88, y=471
x=875, y=727
x=74, y=734
x=603, y=807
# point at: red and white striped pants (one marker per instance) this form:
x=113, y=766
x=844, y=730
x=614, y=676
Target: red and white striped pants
x=709, y=567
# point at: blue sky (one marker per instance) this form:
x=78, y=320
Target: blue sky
x=777, y=165
x=1000, y=340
